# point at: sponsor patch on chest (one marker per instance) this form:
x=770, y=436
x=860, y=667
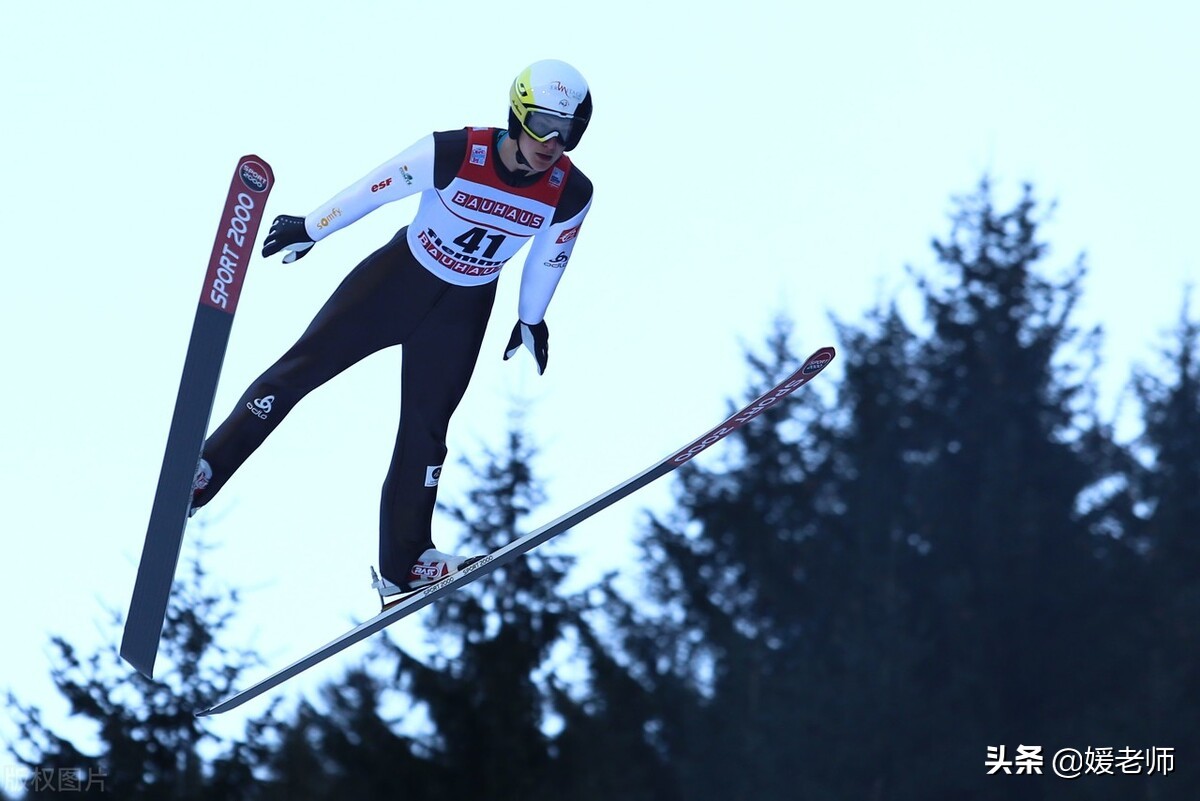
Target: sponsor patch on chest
x=498, y=208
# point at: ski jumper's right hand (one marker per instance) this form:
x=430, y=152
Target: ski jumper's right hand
x=288, y=233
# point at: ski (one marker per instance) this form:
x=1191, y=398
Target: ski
x=231, y=254
x=457, y=580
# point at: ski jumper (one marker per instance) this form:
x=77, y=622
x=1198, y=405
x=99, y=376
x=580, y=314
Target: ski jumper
x=430, y=290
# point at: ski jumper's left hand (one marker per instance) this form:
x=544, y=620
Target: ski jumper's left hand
x=536, y=337
x=544, y=266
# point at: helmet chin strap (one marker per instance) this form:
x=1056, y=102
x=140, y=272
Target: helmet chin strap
x=520, y=156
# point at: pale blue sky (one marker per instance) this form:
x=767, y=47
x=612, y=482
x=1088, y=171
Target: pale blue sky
x=747, y=158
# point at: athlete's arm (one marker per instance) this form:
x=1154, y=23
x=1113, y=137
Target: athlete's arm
x=550, y=250
x=411, y=171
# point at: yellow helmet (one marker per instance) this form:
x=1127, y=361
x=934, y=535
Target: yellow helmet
x=548, y=99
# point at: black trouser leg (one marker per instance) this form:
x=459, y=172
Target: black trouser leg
x=439, y=358
x=376, y=306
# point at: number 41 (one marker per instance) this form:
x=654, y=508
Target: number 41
x=472, y=239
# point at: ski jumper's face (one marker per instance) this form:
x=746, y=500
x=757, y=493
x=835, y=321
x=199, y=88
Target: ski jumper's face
x=541, y=155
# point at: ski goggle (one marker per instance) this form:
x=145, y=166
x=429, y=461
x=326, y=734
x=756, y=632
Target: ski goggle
x=543, y=126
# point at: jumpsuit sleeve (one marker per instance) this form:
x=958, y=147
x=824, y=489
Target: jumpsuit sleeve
x=408, y=173
x=548, y=255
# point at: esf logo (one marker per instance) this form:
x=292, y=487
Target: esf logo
x=381, y=185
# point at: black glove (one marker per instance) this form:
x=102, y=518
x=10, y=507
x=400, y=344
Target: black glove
x=288, y=233
x=536, y=337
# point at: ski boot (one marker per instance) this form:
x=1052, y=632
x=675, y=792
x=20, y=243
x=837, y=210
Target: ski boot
x=203, y=476
x=432, y=567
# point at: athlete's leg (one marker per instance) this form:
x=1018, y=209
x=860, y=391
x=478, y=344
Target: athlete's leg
x=439, y=358
x=376, y=306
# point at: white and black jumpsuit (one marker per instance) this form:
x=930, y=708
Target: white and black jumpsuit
x=430, y=289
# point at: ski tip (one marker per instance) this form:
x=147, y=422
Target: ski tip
x=257, y=159
x=217, y=709
x=255, y=174
x=818, y=361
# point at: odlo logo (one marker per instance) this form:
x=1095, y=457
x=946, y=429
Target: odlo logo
x=261, y=406
x=433, y=474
